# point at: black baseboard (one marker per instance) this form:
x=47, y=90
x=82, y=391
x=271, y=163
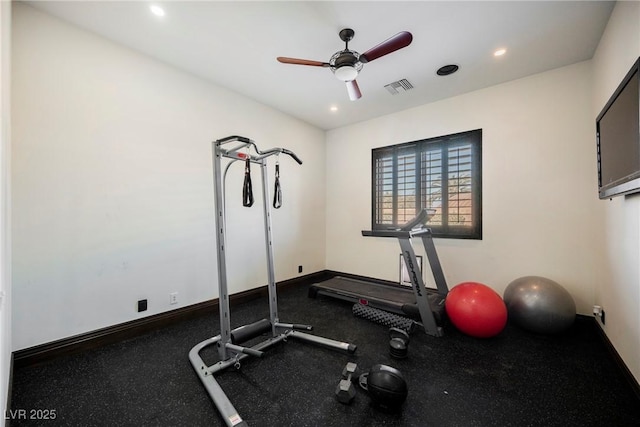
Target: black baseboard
x=87, y=341
x=616, y=356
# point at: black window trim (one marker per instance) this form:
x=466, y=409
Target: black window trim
x=452, y=232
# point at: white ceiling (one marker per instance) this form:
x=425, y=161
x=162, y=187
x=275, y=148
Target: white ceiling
x=235, y=45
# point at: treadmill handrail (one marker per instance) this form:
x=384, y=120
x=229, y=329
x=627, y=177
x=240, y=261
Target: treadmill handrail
x=421, y=219
x=414, y=227
x=402, y=234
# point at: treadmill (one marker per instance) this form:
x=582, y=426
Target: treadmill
x=420, y=303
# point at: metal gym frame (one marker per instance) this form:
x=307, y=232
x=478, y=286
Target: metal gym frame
x=230, y=352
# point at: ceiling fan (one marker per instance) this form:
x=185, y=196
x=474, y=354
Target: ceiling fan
x=346, y=64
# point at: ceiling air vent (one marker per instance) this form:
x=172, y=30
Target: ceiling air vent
x=401, y=85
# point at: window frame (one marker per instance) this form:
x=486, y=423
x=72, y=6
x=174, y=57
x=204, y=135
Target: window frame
x=444, y=144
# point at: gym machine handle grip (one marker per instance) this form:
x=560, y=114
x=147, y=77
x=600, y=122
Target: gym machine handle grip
x=234, y=138
x=294, y=326
x=300, y=327
x=245, y=350
x=252, y=352
x=292, y=154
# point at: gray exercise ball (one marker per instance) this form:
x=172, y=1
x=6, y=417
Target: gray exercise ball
x=539, y=305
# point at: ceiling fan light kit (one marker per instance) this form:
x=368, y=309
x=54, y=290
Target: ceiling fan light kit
x=346, y=64
x=346, y=73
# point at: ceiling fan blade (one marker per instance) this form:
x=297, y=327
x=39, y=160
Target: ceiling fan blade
x=353, y=90
x=297, y=61
x=400, y=40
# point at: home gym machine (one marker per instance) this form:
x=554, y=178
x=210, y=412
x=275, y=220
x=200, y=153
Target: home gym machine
x=420, y=302
x=230, y=350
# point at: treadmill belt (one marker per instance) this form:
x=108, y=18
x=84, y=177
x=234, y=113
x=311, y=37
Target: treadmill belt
x=368, y=290
x=385, y=297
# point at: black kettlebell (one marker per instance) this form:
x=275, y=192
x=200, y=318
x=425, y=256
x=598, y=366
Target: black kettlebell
x=399, y=343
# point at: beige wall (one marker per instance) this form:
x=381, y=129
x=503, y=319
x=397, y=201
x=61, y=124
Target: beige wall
x=5, y=195
x=113, y=191
x=540, y=201
x=619, y=291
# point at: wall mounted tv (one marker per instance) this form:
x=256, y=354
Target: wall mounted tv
x=618, y=139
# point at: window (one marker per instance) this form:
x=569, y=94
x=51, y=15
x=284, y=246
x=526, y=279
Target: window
x=443, y=173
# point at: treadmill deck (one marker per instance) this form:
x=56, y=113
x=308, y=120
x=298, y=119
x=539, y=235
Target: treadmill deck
x=385, y=297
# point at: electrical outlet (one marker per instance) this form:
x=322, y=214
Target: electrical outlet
x=142, y=305
x=173, y=298
x=599, y=312
x=299, y=269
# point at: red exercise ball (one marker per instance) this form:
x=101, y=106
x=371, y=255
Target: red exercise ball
x=476, y=309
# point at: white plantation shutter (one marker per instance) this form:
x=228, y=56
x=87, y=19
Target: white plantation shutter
x=443, y=173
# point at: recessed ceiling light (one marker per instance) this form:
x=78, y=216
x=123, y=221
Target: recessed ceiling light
x=447, y=69
x=157, y=10
x=500, y=52
x=333, y=108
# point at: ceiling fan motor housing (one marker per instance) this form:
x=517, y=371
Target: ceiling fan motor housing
x=346, y=65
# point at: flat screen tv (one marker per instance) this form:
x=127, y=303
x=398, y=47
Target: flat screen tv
x=618, y=139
